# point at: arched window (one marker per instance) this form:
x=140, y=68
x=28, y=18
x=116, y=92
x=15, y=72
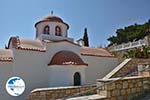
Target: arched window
x=57, y=31
x=46, y=30
x=77, y=79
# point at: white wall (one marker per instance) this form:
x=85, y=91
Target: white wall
x=53, y=48
x=30, y=67
x=52, y=37
x=52, y=25
x=63, y=75
x=6, y=71
x=98, y=67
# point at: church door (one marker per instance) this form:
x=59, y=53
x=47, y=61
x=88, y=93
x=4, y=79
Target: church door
x=77, y=79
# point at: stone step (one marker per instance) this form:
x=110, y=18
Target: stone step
x=121, y=65
x=90, y=97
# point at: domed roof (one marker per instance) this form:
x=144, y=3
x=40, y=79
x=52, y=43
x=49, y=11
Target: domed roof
x=52, y=18
x=66, y=58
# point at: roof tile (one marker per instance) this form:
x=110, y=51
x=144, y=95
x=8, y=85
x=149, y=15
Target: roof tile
x=101, y=52
x=66, y=58
x=26, y=44
x=6, y=55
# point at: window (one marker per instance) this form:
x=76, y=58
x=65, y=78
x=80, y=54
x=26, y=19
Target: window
x=77, y=79
x=57, y=31
x=46, y=30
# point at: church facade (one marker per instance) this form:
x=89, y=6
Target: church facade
x=52, y=60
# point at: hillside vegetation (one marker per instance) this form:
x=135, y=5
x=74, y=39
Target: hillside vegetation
x=130, y=33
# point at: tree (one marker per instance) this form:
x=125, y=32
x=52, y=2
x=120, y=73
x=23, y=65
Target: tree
x=85, y=38
x=146, y=51
x=143, y=52
x=130, y=33
x=113, y=40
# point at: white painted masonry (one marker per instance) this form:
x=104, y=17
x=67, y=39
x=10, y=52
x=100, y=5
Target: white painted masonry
x=30, y=60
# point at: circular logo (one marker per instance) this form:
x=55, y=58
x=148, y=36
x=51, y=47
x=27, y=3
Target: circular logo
x=15, y=86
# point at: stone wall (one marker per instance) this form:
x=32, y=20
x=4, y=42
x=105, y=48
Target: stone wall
x=130, y=67
x=124, y=89
x=144, y=69
x=59, y=92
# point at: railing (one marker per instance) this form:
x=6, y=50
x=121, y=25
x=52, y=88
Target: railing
x=129, y=45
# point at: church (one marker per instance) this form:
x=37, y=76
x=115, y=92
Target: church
x=52, y=59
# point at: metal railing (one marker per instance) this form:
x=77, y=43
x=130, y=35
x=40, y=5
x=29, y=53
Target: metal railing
x=129, y=45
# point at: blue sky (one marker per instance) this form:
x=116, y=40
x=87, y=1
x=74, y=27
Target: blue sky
x=101, y=17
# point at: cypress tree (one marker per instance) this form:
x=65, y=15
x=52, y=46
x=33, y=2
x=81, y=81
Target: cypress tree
x=85, y=38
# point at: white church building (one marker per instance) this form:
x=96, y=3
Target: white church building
x=52, y=60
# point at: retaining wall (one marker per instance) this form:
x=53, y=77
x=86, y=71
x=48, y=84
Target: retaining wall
x=59, y=92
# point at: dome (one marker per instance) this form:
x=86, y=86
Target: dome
x=52, y=18
x=66, y=58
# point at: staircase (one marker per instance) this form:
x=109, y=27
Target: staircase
x=109, y=75
x=90, y=97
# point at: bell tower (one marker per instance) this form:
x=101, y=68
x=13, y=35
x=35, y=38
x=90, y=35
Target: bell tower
x=52, y=28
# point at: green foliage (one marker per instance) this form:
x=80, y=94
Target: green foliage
x=130, y=33
x=113, y=40
x=143, y=52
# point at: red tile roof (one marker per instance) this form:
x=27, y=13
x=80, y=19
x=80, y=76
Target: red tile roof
x=26, y=44
x=66, y=58
x=100, y=52
x=6, y=55
x=36, y=45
